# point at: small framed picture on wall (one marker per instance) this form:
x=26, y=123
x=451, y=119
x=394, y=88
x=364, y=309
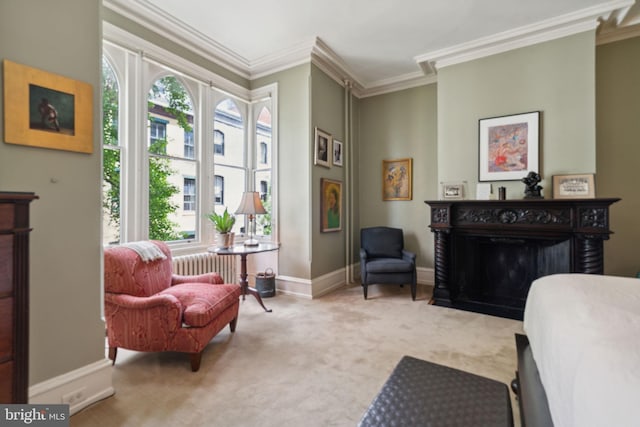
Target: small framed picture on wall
x=322, y=148
x=338, y=153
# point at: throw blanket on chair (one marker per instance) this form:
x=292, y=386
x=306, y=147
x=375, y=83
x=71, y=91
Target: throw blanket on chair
x=147, y=250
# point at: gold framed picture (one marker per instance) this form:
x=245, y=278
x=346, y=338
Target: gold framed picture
x=396, y=179
x=575, y=186
x=47, y=110
x=330, y=205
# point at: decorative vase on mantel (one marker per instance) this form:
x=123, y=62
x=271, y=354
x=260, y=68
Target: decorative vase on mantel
x=224, y=240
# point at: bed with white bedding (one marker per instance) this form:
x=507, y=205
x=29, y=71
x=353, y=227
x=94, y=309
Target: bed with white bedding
x=584, y=337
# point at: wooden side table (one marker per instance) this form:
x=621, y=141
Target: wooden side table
x=243, y=251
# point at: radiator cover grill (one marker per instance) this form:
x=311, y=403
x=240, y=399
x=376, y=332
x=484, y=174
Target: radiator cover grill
x=206, y=263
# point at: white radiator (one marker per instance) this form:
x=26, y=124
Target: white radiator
x=206, y=263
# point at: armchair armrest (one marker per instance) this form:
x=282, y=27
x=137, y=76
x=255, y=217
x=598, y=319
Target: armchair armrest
x=409, y=256
x=142, y=303
x=363, y=255
x=140, y=309
x=212, y=278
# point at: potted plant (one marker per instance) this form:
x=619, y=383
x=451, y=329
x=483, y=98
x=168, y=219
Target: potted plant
x=223, y=224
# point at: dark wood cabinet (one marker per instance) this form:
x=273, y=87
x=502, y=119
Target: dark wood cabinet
x=487, y=252
x=14, y=296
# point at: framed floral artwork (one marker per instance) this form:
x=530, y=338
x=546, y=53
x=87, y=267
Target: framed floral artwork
x=508, y=146
x=396, y=179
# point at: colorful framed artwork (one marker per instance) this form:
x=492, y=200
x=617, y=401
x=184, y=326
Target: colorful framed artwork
x=508, y=146
x=396, y=179
x=330, y=205
x=322, y=148
x=338, y=153
x=576, y=186
x=47, y=110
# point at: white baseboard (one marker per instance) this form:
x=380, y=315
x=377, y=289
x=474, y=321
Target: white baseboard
x=79, y=388
x=329, y=282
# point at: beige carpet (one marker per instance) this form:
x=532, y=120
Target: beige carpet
x=308, y=363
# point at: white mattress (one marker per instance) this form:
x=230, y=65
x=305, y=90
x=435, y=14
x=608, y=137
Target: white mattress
x=584, y=332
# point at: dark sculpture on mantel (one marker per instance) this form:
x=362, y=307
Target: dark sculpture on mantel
x=532, y=190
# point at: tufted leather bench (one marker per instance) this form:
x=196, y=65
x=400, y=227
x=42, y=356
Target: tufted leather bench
x=421, y=393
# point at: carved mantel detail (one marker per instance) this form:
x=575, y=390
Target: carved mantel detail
x=487, y=252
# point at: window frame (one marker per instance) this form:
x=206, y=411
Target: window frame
x=137, y=63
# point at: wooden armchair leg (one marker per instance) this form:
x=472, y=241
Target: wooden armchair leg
x=195, y=361
x=233, y=324
x=113, y=352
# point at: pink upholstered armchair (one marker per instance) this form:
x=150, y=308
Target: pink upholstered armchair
x=147, y=308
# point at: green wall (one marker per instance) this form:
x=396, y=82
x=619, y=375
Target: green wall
x=328, y=114
x=66, y=331
x=294, y=181
x=618, y=150
x=393, y=126
x=556, y=78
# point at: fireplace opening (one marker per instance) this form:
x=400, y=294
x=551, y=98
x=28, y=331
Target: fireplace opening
x=498, y=271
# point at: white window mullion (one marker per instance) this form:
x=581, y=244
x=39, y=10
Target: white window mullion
x=205, y=170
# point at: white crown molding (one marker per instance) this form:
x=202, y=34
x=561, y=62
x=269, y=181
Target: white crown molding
x=120, y=37
x=405, y=81
x=317, y=52
x=551, y=29
x=145, y=14
x=283, y=60
x=618, y=34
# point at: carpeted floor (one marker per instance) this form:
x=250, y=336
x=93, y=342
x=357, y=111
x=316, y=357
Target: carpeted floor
x=308, y=363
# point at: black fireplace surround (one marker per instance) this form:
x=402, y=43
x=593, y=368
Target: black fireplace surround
x=487, y=252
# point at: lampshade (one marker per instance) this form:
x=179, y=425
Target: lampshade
x=250, y=204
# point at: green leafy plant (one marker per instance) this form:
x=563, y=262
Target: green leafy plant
x=223, y=222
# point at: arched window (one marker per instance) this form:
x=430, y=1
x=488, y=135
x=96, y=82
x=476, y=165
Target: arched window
x=164, y=175
x=111, y=161
x=172, y=166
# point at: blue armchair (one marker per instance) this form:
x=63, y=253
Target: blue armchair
x=383, y=259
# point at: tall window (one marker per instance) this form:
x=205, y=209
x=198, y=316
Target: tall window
x=263, y=170
x=170, y=120
x=230, y=165
x=163, y=176
x=111, y=156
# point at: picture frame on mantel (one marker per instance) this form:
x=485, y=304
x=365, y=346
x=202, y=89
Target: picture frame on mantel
x=508, y=146
x=46, y=110
x=574, y=186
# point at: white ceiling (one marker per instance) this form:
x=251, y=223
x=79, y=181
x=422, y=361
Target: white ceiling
x=372, y=42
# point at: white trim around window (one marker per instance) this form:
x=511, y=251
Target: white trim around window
x=138, y=63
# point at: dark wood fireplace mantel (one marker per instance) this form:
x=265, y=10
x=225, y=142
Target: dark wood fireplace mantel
x=487, y=252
